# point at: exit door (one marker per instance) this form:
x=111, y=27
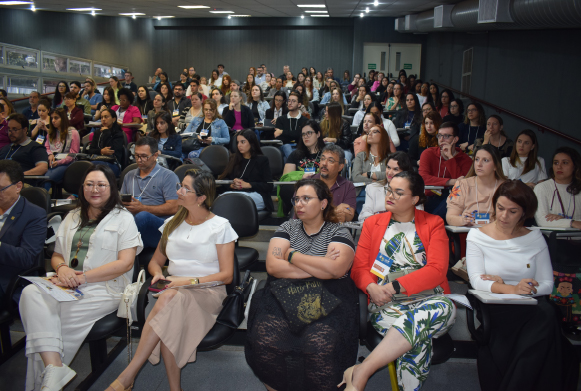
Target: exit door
x=390, y=58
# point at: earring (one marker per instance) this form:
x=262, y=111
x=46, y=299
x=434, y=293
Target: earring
x=198, y=205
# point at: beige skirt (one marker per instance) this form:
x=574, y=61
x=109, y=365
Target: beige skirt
x=185, y=321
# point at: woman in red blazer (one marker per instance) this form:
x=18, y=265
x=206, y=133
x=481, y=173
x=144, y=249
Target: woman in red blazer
x=411, y=240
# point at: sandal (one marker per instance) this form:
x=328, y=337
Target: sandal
x=117, y=386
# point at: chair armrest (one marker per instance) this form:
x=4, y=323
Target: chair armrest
x=11, y=288
x=362, y=315
x=171, y=158
x=142, y=301
x=480, y=311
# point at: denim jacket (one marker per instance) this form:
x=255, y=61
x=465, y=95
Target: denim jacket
x=173, y=146
x=220, y=134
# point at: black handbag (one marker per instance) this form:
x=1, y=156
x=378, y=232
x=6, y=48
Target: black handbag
x=232, y=313
x=191, y=144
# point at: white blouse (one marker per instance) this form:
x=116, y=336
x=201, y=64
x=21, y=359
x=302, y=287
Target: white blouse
x=534, y=176
x=513, y=259
x=191, y=249
x=549, y=204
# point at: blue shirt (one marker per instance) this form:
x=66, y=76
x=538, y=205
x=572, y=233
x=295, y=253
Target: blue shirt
x=29, y=114
x=95, y=100
x=327, y=98
x=156, y=188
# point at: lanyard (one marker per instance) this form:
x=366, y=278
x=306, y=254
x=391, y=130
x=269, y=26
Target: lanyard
x=142, y=191
x=489, y=201
x=241, y=176
x=10, y=157
x=561, y=202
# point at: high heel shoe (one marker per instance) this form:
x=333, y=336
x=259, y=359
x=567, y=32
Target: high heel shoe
x=348, y=379
x=117, y=386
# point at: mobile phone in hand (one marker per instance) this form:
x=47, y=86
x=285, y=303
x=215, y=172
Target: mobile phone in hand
x=126, y=197
x=159, y=286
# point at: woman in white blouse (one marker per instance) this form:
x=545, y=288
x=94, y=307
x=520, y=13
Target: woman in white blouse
x=200, y=248
x=523, y=163
x=558, y=196
x=94, y=252
x=524, y=350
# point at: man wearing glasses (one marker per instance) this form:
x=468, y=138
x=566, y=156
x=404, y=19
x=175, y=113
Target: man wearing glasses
x=152, y=189
x=179, y=103
x=30, y=155
x=22, y=227
x=288, y=128
x=443, y=166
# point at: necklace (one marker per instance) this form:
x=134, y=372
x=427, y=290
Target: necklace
x=192, y=224
x=75, y=260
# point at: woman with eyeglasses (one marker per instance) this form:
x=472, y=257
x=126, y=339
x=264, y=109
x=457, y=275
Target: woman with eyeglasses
x=302, y=327
x=400, y=253
x=209, y=130
x=108, y=141
x=446, y=97
x=95, y=251
x=199, y=247
x=308, y=153
x=59, y=95
x=456, y=113
x=473, y=127
x=559, y=195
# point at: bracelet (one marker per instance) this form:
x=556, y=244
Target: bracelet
x=59, y=266
x=84, y=275
x=290, y=256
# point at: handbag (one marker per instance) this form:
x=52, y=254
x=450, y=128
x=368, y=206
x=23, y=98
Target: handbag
x=191, y=144
x=232, y=313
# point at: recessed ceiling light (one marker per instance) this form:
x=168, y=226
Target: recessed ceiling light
x=133, y=14
x=163, y=17
x=316, y=12
x=15, y=2
x=319, y=16
x=311, y=5
x=376, y=3
x=192, y=6
x=229, y=17
x=302, y=16
x=361, y=14
x=367, y=10
x=240, y=16
x=84, y=9
x=33, y=8
x=221, y=12
x=93, y=13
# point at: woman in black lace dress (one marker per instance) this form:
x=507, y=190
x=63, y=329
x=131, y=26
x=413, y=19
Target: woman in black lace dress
x=302, y=327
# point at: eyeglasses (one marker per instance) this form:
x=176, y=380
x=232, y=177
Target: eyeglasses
x=99, y=186
x=14, y=130
x=208, y=110
x=471, y=110
x=144, y=157
x=428, y=110
x=388, y=191
x=303, y=200
x=308, y=134
x=6, y=187
x=179, y=187
x=325, y=159
x=454, y=106
x=444, y=136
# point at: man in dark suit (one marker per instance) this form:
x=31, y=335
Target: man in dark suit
x=22, y=227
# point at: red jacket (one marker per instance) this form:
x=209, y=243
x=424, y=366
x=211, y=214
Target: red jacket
x=436, y=171
x=430, y=229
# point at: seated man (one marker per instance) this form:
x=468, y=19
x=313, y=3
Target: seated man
x=288, y=127
x=30, y=155
x=92, y=95
x=82, y=102
x=443, y=166
x=30, y=112
x=235, y=86
x=129, y=84
x=22, y=227
x=178, y=103
x=153, y=191
x=194, y=88
x=330, y=165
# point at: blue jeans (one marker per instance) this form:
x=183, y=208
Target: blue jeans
x=56, y=174
x=286, y=150
x=112, y=166
x=148, y=226
x=437, y=205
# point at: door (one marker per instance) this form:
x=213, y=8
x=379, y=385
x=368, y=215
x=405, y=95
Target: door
x=391, y=57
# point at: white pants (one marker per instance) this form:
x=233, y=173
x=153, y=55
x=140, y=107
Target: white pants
x=60, y=327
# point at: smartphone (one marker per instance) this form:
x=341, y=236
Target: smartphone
x=126, y=197
x=159, y=286
x=204, y=135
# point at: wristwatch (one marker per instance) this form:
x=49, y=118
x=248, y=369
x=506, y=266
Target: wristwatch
x=194, y=281
x=396, y=286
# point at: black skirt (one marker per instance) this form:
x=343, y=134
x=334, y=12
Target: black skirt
x=316, y=358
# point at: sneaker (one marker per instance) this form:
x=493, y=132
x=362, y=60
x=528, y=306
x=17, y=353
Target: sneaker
x=55, y=378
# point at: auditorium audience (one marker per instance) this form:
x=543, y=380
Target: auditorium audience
x=257, y=104
x=92, y=95
x=158, y=107
x=143, y=101
x=249, y=169
x=336, y=130
x=496, y=137
x=456, y=113
x=407, y=330
x=152, y=188
x=237, y=115
x=287, y=128
x=59, y=94
x=523, y=163
x=526, y=348
x=309, y=254
x=278, y=108
x=128, y=116
x=108, y=142
x=40, y=130
x=427, y=137
x=95, y=250
x=62, y=138
x=445, y=99
x=558, y=195
x=473, y=127
x=168, y=141
x=74, y=113
x=397, y=101
x=191, y=112
x=31, y=111
x=209, y=130
x=467, y=205
x=116, y=86
x=443, y=166
x=107, y=102
x=31, y=156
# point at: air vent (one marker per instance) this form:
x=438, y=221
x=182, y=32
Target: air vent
x=443, y=16
x=410, y=22
x=467, y=70
x=494, y=11
x=400, y=25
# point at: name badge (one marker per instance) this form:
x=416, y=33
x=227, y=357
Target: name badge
x=176, y=113
x=40, y=140
x=407, y=125
x=137, y=198
x=381, y=265
x=481, y=218
x=203, y=134
x=310, y=170
x=144, y=117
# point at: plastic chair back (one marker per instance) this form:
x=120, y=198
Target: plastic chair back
x=74, y=176
x=181, y=170
x=240, y=211
x=124, y=172
x=38, y=196
x=216, y=157
x=275, y=160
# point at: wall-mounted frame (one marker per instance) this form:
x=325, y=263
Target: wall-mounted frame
x=66, y=65
x=20, y=84
x=17, y=57
x=105, y=71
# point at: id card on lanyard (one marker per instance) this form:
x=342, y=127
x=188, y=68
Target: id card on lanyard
x=381, y=265
x=563, y=211
x=483, y=218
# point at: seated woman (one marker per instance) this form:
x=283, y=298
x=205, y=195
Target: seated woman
x=115, y=84
x=163, y=79
x=427, y=138
x=311, y=92
x=168, y=141
x=200, y=248
x=277, y=109
x=204, y=86
x=247, y=89
x=62, y=138
x=523, y=163
x=456, y=113
x=558, y=196
x=318, y=81
x=376, y=108
x=166, y=92
x=265, y=85
x=159, y=106
x=225, y=87
x=338, y=97
x=414, y=243
x=495, y=136
x=304, y=106
x=397, y=101
x=445, y=99
x=128, y=116
x=40, y=130
x=257, y=104
x=306, y=157
x=473, y=127
x=363, y=105
x=107, y=103
x=526, y=349
x=336, y=130
x=411, y=116
x=59, y=95
x=238, y=116
x=250, y=171
x=220, y=100
x=143, y=101
x=375, y=192
x=95, y=250
x=370, y=119
x=424, y=94
x=313, y=253
x=75, y=114
x=189, y=113
x=467, y=204
x=327, y=96
x=388, y=93
x=290, y=80
x=209, y=130
x=214, y=80
x=108, y=141
x=357, y=102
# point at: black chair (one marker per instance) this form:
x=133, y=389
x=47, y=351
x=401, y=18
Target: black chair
x=72, y=182
x=275, y=160
x=124, y=172
x=216, y=157
x=38, y=196
x=181, y=170
x=97, y=339
x=241, y=212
